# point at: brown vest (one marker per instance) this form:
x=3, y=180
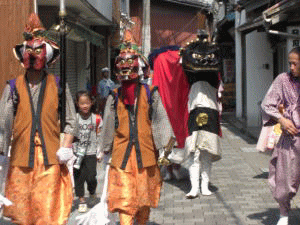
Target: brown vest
x=44, y=121
x=137, y=132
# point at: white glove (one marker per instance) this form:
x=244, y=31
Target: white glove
x=64, y=154
x=4, y=201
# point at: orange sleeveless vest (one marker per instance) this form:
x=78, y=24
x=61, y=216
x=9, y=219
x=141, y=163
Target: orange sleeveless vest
x=45, y=121
x=137, y=132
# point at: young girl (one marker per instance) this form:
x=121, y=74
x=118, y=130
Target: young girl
x=89, y=125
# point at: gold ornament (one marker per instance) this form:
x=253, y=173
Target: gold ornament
x=202, y=119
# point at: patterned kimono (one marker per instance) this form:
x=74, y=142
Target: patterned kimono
x=284, y=177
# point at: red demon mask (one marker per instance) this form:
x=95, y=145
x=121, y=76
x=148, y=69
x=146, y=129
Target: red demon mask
x=37, y=51
x=127, y=65
x=34, y=56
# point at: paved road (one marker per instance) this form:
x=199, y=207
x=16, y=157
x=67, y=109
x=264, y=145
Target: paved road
x=241, y=193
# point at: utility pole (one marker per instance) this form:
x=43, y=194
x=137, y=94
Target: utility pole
x=146, y=31
x=62, y=33
x=35, y=7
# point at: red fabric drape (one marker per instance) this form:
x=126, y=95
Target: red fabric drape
x=128, y=88
x=174, y=89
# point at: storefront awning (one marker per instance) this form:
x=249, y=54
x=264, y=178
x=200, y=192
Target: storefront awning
x=85, y=33
x=77, y=32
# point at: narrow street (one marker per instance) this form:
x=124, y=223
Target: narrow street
x=239, y=181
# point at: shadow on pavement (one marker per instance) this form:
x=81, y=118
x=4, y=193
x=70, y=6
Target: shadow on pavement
x=267, y=217
x=263, y=175
x=185, y=185
x=271, y=216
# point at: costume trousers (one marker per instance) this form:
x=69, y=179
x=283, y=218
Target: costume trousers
x=86, y=173
x=204, y=159
x=284, y=175
x=141, y=217
x=41, y=195
x=132, y=190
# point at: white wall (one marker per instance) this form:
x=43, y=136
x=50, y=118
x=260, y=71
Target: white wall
x=103, y=6
x=258, y=77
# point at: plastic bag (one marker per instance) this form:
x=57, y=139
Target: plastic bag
x=268, y=137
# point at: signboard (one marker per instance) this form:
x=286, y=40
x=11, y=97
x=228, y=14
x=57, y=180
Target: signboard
x=291, y=42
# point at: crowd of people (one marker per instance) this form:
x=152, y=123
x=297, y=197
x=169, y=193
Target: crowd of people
x=130, y=130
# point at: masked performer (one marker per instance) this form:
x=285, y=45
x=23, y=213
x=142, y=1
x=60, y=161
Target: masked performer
x=200, y=63
x=135, y=128
x=38, y=182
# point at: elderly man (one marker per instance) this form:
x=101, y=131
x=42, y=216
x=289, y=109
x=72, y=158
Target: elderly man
x=105, y=86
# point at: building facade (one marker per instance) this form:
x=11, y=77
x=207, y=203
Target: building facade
x=90, y=25
x=265, y=31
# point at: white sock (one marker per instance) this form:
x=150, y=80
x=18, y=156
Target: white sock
x=283, y=220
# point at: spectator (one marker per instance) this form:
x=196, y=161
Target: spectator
x=284, y=176
x=85, y=167
x=105, y=86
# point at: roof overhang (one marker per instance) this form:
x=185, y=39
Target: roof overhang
x=250, y=26
x=280, y=12
x=192, y=3
x=83, y=10
x=250, y=5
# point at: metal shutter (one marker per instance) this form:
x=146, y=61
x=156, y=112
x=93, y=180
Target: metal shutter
x=71, y=66
x=71, y=70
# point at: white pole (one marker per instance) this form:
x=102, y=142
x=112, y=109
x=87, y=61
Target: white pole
x=146, y=45
x=35, y=6
x=62, y=11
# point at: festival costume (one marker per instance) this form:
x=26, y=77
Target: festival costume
x=284, y=172
x=37, y=184
x=135, y=128
x=190, y=85
x=201, y=65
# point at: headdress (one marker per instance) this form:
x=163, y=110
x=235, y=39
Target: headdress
x=34, y=30
x=131, y=64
